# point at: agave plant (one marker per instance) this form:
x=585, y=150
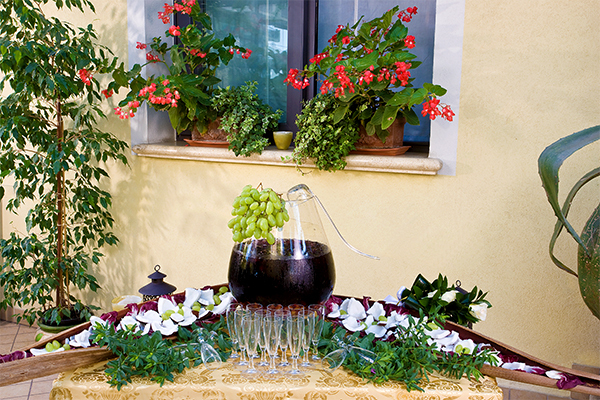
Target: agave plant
x=588, y=255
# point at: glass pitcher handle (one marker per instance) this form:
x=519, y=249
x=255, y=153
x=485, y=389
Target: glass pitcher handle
x=299, y=190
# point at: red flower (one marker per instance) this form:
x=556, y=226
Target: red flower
x=447, y=113
x=409, y=41
x=85, y=76
x=346, y=40
x=140, y=46
x=107, y=94
x=431, y=108
x=247, y=54
x=175, y=30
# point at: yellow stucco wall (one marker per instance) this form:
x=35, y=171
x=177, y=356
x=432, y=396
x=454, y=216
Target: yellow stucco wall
x=529, y=76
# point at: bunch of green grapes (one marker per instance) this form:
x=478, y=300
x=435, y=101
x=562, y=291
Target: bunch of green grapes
x=256, y=213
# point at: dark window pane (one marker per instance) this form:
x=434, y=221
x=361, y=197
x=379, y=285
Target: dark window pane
x=261, y=26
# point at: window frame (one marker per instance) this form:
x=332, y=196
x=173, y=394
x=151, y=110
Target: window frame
x=150, y=126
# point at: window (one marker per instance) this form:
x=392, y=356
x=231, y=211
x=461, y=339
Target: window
x=265, y=25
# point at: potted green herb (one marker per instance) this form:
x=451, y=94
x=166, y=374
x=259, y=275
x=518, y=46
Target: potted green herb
x=367, y=67
x=246, y=118
x=186, y=89
x=53, y=152
x=588, y=254
x=320, y=138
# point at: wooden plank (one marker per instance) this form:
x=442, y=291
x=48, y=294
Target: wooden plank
x=50, y=364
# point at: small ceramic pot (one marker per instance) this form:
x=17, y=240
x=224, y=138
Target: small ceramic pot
x=283, y=139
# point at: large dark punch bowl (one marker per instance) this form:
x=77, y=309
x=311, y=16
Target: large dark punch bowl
x=303, y=272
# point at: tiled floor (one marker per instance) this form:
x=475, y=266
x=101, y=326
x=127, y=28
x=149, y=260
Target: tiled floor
x=14, y=337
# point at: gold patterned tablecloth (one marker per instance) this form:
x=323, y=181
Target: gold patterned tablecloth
x=227, y=383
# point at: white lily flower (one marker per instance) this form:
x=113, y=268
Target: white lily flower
x=191, y=296
x=335, y=311
x=129, y=321
x=353, y=324
x=352, y=308
x=148, y=317
x=166, y=328
x=431, y=294
x=479, y=311
x=206, y=297
x=226, y=299
x=438, y=333
x=464, y=347
x=179, y=313
x=389, y=299
x=96, y=320
x=449, y=296
x=396, y=319
x=378, y=313
x=166, y=305
x=447, y=343
x=82, y=339
x=374, y=327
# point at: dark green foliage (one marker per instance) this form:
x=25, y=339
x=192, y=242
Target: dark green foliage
x=246, y=118
x=54, y=155
x=458, y=310
x=322, y=140
x=549, y=163
x=154, y=357
x=408, y=359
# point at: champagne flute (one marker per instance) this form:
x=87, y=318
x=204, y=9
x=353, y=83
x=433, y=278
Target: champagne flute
x=230, y=318
x=295, y=309
x=319, y=310
x=307, y=335
x=254, y=307
x=262, y=337
x=272, y=325
x=238, y=315
x=283, y=338
x=295, y=325
x=250, y=333
x=273, y=307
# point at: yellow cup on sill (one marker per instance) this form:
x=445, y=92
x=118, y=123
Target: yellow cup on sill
x=283, y=139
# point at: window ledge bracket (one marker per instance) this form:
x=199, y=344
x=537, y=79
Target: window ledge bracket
x=411, y=163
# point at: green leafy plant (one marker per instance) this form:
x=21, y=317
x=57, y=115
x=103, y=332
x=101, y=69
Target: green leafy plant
x=246, y=118
x=451, y=302
x=152, y=356
x=588, y=254
x=367, y=67
x=185, y=91
x=409, y=358
x=320, y=138
x=54, y=154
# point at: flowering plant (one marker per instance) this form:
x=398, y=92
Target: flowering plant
x=186, y=90
x=438, y=297
x=363, y=64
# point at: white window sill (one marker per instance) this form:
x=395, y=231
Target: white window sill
x=410, y=163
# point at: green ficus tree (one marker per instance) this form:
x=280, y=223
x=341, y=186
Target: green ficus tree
x=54, y=155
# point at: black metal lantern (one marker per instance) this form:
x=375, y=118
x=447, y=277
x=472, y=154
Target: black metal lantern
x=157, y=287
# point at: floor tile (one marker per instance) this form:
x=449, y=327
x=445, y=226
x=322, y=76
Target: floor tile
x=16, y=390
x=5, y=348
x=40, y=387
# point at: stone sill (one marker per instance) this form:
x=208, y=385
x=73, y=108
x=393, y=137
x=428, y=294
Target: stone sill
x=410, y=163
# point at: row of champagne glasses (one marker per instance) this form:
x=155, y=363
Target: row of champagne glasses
x=293, y=328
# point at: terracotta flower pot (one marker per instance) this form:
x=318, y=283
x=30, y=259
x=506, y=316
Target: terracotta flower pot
x=373, y=145
x=213, y=137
